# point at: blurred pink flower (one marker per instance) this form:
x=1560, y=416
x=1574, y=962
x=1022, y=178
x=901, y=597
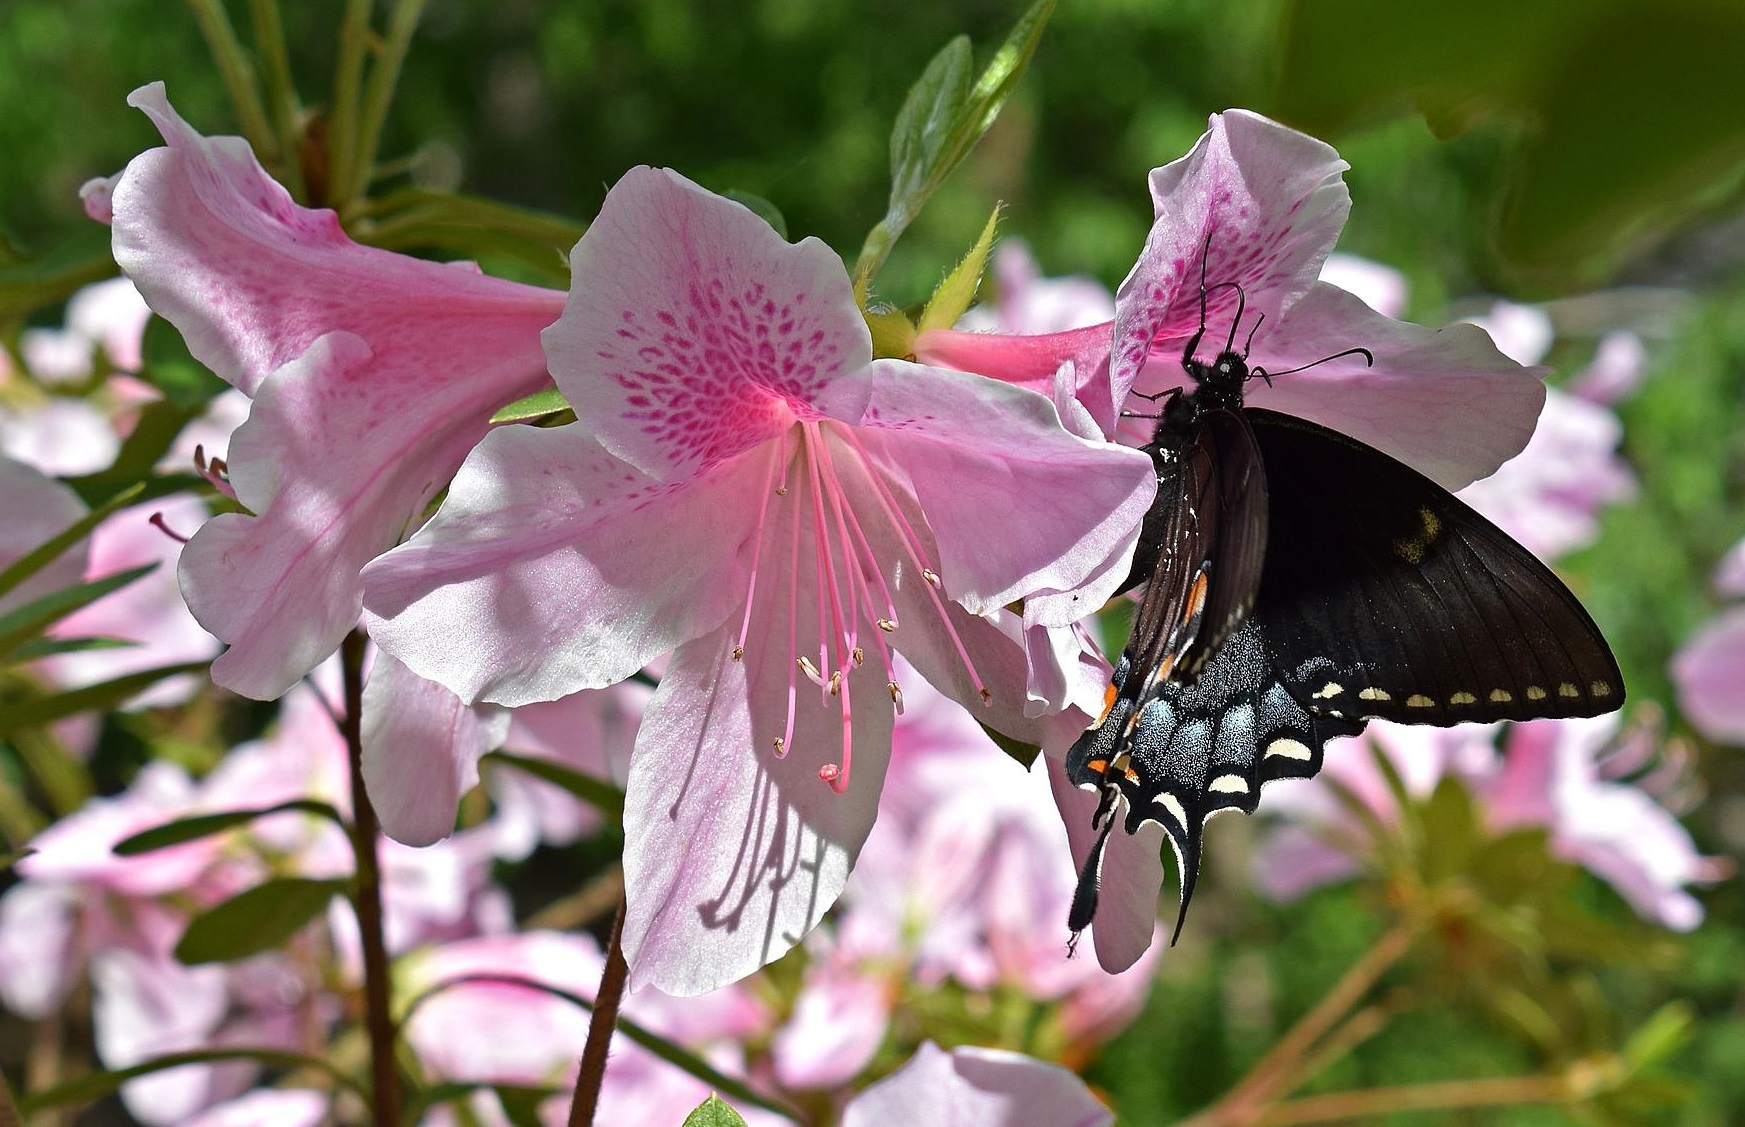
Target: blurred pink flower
x=1026, y=302
x=109, y=315
x=1550, y=775
x=372, y=374
x=745, y=483
x=511, y=1034
x=1382, y=288
x=1709, y=669
x=1264, y=204
x=970, y=1087
x=33, y=509
x=266, y=1107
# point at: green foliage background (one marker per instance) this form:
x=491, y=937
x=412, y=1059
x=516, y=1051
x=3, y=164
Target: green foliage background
x=1528, y=150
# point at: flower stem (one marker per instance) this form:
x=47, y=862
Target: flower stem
x=367, y=899
x=384, y=77
x=238, y=77
x=269, y=36
x=342, y=115
x=600, y=1025
x=1281, y=1067
x=1366, y=1105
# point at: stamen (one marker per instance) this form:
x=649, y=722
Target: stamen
x=930, y=576
x=836, y=683
x=810, y=670
x=779, y=450
x=827, y=582
x=896, y=696
x=157, y=519
x=829, y=772
x=846, y=513
x=912, y=545
x=858, y=656
x=887, y=625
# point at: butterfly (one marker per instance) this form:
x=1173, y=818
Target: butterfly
x=1298, y=584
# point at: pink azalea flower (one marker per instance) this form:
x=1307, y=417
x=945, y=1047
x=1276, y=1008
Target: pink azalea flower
x=747, y=488
x=372, y=375
x=266, y=1107
x=1382, y=288
x=1263, y=204
x=1709, y=669
x=60, y=436
x=970, y=1087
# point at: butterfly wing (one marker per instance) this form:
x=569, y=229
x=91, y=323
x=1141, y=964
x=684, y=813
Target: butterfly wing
x=1388, y=597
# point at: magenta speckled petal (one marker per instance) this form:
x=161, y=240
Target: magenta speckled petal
x=693, y=330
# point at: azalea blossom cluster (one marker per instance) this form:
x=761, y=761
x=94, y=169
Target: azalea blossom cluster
x=821, y=609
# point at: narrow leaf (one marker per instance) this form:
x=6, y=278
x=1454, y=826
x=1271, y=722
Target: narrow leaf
x=96, y=1085
x=257, y=920
x=150, y=439
x=49, y=550
x=49, y=647
x=24, y=624
x=940, y=122
x=539, y=404
x=204, y=825
x=603, y=796
x=35, y=712
x=893, y=334
x=1024, y=753
x=168, y=366
x=958, y=290
x=713, y=1113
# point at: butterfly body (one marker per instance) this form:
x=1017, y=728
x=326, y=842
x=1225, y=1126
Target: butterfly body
x=1300, y=583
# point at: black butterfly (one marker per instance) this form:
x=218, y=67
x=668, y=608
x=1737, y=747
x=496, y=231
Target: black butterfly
x=1299, y=584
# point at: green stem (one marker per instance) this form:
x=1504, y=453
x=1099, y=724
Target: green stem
x=238, y=75
x=367, y=900
x=269, y=36
x=600, y=1025
x=379, y=95
x=342, y=116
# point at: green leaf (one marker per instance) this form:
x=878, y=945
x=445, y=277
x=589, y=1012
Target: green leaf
x=1449, y=831
x=535, y=406
x=49, y=647
x=150, y=439
x=22, y=625
x=37, y=711
x=713, y=1113
x=50, y=550
x=521, y=1104
x=603, y=796
x=766, y=211
x=1668, y=1030
x=29, y=286
x=941, y=120
x=1024, y=753
x=257, y=920
x=96, y=1085
x=168, y=366
x=958, y=290
x=204, y=825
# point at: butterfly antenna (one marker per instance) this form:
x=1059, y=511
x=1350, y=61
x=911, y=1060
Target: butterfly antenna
x=1368, y=362
x=1248, y=345
x=1241, y=305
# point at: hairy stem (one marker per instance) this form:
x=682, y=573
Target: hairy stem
x=367, y=899
x=239, y=79
x=600, y=1025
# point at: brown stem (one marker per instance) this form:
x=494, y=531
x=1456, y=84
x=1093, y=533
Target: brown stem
x=8, y=1109
x=367, y=899
x=1449, y=1095
x=600, y=1025
x=1270, y=1078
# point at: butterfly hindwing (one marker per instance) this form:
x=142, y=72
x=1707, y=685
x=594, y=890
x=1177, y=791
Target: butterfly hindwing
x=1388, y=597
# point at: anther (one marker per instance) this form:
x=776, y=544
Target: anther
x=987, y=697
x=781, y=491
x=896, y=696
x=887, y=625
x=858, y=656
x=738, y=653
x=781, y=747
x=836, y=683
x=810, y=670
x=931, y=576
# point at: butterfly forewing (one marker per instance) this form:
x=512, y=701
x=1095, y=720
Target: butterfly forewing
x=1388, y=597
